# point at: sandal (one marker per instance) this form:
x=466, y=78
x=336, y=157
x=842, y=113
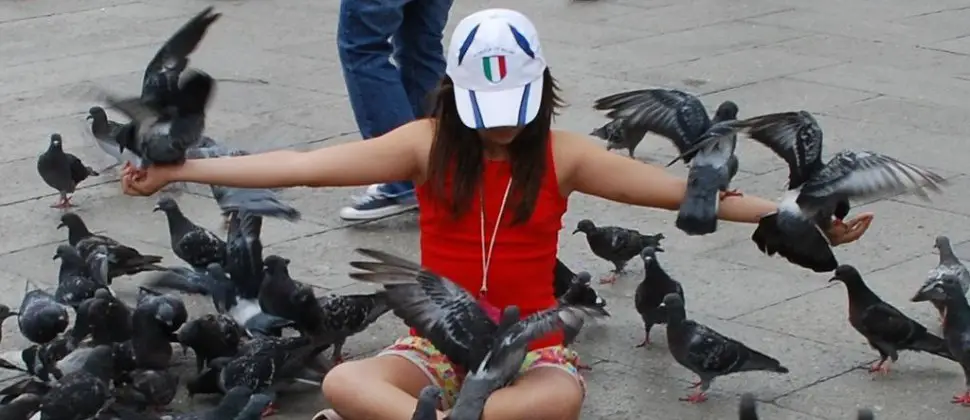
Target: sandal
x=327, y=414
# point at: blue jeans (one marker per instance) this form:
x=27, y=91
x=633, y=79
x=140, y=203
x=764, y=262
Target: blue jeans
x=383, y=96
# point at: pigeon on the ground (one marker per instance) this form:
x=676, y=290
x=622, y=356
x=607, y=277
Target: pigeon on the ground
x=885, y=328
x=708, y=353
x=615, y=244
x=152, y=332
x=41, y=318
x=22, y=407
x=618, y=136
x=819, y=191
x=74, y=282
x=123, y=260
x=346, y=315
x=454, y=322
x=39, y=360
x=257, y=406
x=167, y=309
x=82, y=394
x=98, y=265
x=949, y=266
x=748, y=409
x=104, y=317
x=149, y=388
x=232, y=403
x=160, y=83
x=106, y=133
x=211, y=337
x=581, y=294
x=649, y=296
x=427, y=407
x=192, y=243
x=706, y=144
x=62, y=171
x=244, y=253
x=956, y=329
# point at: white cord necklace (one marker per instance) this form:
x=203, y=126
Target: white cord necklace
x=487, y=256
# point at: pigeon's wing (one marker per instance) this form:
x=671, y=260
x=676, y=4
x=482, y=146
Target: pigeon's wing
x=183, y=279
x=201, y=244
x=439, y=309
x=98, y=264
x=258, y=201
x=534, y=327
x=710, y=351
x=716, y=145
x=244, y=253
x=78, y=171
x=861, y=175
x=195, y=91
x=882, y=322
x=162, y=74
x=794, y=136
x=674, y=114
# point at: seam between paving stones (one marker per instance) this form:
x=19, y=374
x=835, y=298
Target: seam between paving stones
x=64, y=13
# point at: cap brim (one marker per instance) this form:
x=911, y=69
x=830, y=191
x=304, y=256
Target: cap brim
x=506, y=108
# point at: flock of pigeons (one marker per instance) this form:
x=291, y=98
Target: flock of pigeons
x=113, y=363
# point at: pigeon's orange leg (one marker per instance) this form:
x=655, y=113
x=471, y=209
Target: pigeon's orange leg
x=609, y=279
x=63, y=203
x=734, y=192
x=695, y=398
x=963, y=398
x=645, y=342
x=270, y=410
x=881, y=367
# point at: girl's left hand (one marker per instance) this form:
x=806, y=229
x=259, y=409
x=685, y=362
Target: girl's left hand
x=846, y=231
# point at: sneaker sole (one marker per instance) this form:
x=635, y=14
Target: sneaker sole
x=350, y=213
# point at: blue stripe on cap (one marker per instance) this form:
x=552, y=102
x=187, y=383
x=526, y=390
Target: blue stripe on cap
x=523, y=43
x=524, y=105
x=467, y=43
x=479, y=122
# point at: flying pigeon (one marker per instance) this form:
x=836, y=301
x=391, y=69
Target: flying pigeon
x=949, y=266
x=615, y=244
x=818, y=191
x=707, y=353
x=192, y=243
x=122, y=259
x=62, y=171
x=160, y=83
x=706, y=144
x=885, y=328
x=649, y=295
x=41, y=318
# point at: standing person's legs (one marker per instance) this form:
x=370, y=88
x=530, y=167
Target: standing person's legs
x=419, y=51
x=377, y=95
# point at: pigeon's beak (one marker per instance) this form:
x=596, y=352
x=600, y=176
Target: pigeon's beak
x=576, y=231
x=919, y=297
x=60, y=225
x=55, y=257
x=89, y=117
x=834, y=278
x=659, y=248
x=156, y=208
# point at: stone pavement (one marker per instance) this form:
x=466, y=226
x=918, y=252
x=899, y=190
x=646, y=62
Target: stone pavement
x=893, y=76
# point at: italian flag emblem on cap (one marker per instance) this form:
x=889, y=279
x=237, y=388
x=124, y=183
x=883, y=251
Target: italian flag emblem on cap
x=494, y=68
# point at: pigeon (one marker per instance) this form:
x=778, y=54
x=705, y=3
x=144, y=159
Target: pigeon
x=22, y=407
x=211, y=337
x=98, y=265
x=62, y=171
x=106, y=133
x=82, y=394
x=618, y=136
x=818, y=191
x=615, y=244
x=956, y=329
x=258, y=404
x=427, y=407
x=885, y=328
x=160, y=83
x=748, y=408
x=447, y=315
x=707, y=353
x=74, y=283
x=41, y=318
x=649, y=296
x=104, y=318
x=572, y=288
x=581, y=294
x=707, y=144
x=192, y=243
x=346, y=315
x=149, y=388
x=949, y=266
x=168, y=310
x=151, y=336
x=257, y=201
x=244, y=253
x=39, y=360
x=232, y=403
x=123, y=260
x=286, y=298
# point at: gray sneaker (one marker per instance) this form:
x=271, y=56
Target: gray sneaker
x=376, y=205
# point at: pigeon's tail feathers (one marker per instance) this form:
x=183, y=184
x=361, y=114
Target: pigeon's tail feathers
x=698, y=212
x=748, y=409
x=934, y=345
x=797, y=240
x=762, y=362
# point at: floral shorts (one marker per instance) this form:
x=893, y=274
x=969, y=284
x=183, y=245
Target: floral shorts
x=442, y=373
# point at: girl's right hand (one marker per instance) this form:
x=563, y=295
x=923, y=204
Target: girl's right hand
x=144, y=182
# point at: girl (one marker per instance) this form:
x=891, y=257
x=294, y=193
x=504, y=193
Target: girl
x=493, y=182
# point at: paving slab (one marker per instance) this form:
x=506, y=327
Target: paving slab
x=889, y=76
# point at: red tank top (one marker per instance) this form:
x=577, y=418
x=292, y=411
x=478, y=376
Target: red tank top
x=521, y=269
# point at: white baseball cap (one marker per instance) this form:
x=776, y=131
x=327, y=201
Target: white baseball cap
x=496, y=64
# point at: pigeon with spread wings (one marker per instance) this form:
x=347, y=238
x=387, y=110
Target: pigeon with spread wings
x=160, y=84
x=819, y=191
x=706, y=144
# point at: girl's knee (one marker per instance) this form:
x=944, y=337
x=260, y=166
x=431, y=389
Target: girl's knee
x=342, y=380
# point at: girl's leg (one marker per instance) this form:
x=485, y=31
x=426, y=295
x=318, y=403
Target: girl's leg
x=539, y=394
x=382, y=388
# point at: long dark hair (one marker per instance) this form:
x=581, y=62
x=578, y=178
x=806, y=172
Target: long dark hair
x=458, y=153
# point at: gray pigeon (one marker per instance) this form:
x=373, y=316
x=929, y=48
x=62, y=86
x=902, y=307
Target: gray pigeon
x=80, y=395
x=192, y=243
x=748, y=409
x=456, y=324
x=615, y=244
x=707, y=353
x=62, y=171
x=104, y=317
x=704, y=143
x=244, y=253
x=122, y=260
x=211, y=337
x=580, y=293
x=427, y=407
x=618, y=136
x=347, y=315
x=74, y=281
x=148, y=388
x=41, y=318
x=232, y=404
x=160, y=83
x=956, y=330
x=819, y=191
x=258, y=405
x=106, y=133
x=949, y=266
x=648, y=299
x=22, y=407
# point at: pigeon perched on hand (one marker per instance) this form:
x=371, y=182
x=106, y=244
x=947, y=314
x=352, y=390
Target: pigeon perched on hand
x=707, y=353
x=192, y=243
x=885, y=328
x=41, y=318
x=648, y=299
x=122, y=260
x=106, y=133
x=819, y=191
x=949, y=266
x=615, y=244
x=706, y=144
x=62, y=171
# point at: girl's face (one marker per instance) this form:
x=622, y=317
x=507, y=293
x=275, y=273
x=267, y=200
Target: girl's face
x=501, y=136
